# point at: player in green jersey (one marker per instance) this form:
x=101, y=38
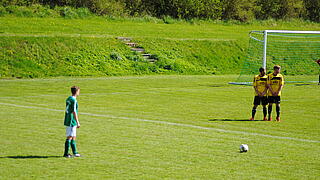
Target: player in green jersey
x=71, y=121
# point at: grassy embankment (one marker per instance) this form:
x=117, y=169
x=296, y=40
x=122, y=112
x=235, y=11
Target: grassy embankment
x=41, y=47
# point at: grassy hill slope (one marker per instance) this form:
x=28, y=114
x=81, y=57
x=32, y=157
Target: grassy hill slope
x=40, y=47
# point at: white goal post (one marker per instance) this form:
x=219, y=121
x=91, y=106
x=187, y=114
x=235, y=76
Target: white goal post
x=265, y=40
x=295, y=51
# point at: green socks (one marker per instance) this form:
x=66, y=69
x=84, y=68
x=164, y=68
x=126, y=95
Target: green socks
x=74, y=146
x=66, y=146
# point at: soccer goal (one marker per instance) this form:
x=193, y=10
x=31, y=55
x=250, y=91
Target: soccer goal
x=295, y=51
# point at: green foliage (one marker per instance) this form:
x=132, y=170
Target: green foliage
x=108, y=7
x=313, y=10
x=87, y=47
x=37, y=10
x=41, y=57
x=34, y=10
x=280, y=9
x=69, y=12
x=241, y=10
x=196, y=56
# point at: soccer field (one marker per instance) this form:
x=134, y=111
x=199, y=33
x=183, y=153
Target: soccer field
x=157, y=127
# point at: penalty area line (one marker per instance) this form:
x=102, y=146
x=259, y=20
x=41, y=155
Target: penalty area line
x=169, y=123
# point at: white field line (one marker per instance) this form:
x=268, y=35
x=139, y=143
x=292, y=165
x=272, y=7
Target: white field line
x=170, y=123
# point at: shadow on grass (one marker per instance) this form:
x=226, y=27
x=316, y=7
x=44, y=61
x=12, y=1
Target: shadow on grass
x=302, y=84
x=234, y=120
x=214, y=85
x=30, y=157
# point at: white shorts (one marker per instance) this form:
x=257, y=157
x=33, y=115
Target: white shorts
x=71, y=131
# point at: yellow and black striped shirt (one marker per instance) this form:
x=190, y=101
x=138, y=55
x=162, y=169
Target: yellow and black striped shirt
x=261, y=83
x=275, y=81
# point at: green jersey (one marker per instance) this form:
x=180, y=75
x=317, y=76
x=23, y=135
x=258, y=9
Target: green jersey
x=71, y=106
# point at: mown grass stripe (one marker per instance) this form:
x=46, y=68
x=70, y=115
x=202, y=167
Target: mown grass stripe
x=170, y=123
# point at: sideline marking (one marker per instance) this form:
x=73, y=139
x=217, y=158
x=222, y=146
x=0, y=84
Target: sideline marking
x=170, y=123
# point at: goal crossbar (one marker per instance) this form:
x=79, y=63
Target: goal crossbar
x=264, y=42
x=288, y=32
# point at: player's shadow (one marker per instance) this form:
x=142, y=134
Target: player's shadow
x=213, y=85
x=30, y=157
x=234, y=120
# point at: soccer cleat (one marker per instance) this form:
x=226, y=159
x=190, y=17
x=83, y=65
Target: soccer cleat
x=77, y=155
x=67, y=155
x=264, y=118
x=278, y=119
x=270, y=119
x=251, y=119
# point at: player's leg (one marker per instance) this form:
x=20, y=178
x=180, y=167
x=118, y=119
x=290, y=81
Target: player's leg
x=278, y=112
x=264, y=112
x=270, y=100
x=67, y=146
x=264, y=105
x=256, y=102
x=73, y=142
x=278, y=108
x=74, y=147
x=253, y=112
x=269, y=111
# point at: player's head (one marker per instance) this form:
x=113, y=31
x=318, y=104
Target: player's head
x=262, y=71
x=276, y=69
x=75, y=90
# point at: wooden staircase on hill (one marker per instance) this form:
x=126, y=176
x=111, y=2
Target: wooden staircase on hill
x=136, y=48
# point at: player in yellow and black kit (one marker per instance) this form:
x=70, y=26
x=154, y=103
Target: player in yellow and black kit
x=275, y=85
x=260, y=88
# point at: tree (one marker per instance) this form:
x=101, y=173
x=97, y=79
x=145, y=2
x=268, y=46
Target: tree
x=312, y=10
x=242, y=10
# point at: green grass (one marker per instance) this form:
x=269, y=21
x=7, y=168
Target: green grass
x=43, y=47
x=156, y=127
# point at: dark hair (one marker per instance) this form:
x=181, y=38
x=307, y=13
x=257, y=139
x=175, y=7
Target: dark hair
x=74, y=89
x=261, y=69
x=276, y=67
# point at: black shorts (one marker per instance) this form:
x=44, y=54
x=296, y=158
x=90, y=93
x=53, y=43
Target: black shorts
x=274, y=99
x=260, y=100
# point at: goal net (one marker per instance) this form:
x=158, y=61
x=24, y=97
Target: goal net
x=295, y=51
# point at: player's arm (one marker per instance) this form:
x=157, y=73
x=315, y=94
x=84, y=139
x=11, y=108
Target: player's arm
x=77, y=119
x=265, y=91
x=74, y=112
x=269, y=85
x=256, y=89
x=281, y=86
x=255, y=86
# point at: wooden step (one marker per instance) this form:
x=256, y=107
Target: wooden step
x=131, y=44
x=146, y=55
x=124, y=38
x=137, y=49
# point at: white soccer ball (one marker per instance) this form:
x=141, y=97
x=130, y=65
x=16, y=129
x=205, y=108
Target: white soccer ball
x=244, y=148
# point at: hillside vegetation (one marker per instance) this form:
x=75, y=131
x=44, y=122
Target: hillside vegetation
x=241, y=10
x=41, y=47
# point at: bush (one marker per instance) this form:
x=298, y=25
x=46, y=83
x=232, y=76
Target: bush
x=107, y=7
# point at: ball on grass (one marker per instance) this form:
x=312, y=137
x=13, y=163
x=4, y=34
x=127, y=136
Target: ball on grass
x=244, y=148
